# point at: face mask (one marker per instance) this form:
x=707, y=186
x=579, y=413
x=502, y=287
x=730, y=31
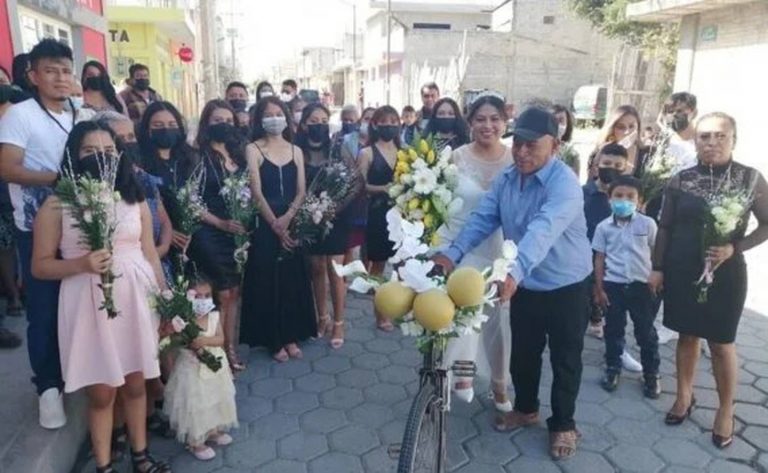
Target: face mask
x=265, y=94
x=93, y=163
x=274, y=125
x=238, y=104
x=444, y=124
x=77, y=102
x=623, y=208
x=221, y=132
x=203, y=306
x=297, y=118
x=92, y=83
x=561, y=131
x=318, y=133
x=347, y=128
x=141, y=84
x=364, y=127
x=131, y=151
x=286, y=97
x=629, y=140
x=164, y=138
x=679, y=122
x=608, y=175
x=388, y=132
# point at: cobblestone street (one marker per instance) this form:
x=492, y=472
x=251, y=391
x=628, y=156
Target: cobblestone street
x=339, y=411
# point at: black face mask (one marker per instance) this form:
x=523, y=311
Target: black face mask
x=680, y=122
x=141, y=84
x=92, y=164
x=444, y=124
x=608, y=175
x=222, y=132
x=388, y=132
x=318, y=133
x=347, y=128
x=238, y=104
x=92, y=83
x=131, y=151
x=164, y=138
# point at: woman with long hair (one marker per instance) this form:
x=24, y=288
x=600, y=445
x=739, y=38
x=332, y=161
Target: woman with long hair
x=623, y=128
x=98, y=92
x=107, y=357
x=447, y=124
x=377, y=165
x=278, y=309
x=212, y=247
x=565, y=126
x=264, y=89
x=314, y=140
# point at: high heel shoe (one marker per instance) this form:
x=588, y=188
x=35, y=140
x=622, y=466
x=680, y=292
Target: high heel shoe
x=234, y=362
x=721, y=441
x=323, y=325
x=500, y=388
x=674, y=419
x=465, y=393
x=337, y=342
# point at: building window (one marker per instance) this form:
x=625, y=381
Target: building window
x=431, y=26
x=549, y=20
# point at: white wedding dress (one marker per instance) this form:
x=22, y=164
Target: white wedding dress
x=475, y=178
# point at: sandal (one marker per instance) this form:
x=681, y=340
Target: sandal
x=202, y=452
x=384, y=325
x=294, y=351
x=509, y=421
x=144, y=463
x=119, y=444
x=105, y=469
x=323, y=325
x=220, y=439
x=281, y=356
x=234, y=362
x=337, y=342
x=499, y=389
x=674, y=419
x=567, y=441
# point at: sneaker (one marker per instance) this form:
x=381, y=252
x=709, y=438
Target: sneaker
x=52, y=409
x=666, y=335
x=610, y=382
x=595, y=329
x=8, y=339
x=630, y=364
x=651, y=386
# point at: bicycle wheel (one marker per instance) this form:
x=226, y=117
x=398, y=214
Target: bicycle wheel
x=422, y=450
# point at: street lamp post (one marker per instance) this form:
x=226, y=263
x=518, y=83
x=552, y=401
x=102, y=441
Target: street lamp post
x=389, y=47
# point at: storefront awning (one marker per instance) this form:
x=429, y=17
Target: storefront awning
x=674, y=10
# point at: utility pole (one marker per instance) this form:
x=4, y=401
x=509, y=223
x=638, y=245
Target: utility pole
x=389, y=47
x=209, y=62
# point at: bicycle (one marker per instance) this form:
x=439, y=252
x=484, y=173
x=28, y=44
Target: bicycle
x=424, y=445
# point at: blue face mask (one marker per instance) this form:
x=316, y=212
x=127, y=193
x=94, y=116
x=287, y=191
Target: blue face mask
x=623, y=208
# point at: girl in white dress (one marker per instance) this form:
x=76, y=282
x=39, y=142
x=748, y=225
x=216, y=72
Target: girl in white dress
x=479, y=163
x=200, y=403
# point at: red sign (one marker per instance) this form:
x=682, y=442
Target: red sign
x=186, y=54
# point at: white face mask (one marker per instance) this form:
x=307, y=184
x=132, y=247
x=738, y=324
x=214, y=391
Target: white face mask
x=274, y=125
x=629, y=140
x=203, y=306
x=561, y=131
x=364, y=129
x=297, y=117
x=77, y=102
x=286, y=97
x=265, y=94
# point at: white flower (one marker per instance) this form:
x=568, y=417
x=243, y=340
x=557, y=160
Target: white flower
x=500, y=271
x=445, y=155
x=116, y=196
x=165, y=342
x=317, y=217
x=396, y=190
x=178, y=324
x=443, y=195
x=88, y=216
x=406, y=179
x=409, y=248
x=419, y=164
x=167, y=294
x=414, y=274
x=455, y=206
x=362, y=285
x=424, y=181
x=416, y=215
x=355, y=267
x=509, y=250
x=394, y=225
x=401, y=200
x=411, y=329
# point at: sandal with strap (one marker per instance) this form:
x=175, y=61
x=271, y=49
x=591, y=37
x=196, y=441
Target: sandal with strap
x=281, y=356
x=323, y=325
x=144, y=463
x=234, y=362
x=337, y=342
x=294, y=351
x=105, y=469
x=567, y=441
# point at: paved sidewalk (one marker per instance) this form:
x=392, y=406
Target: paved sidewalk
x=338, y=411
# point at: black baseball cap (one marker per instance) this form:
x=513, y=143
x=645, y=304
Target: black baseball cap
x=534, y=123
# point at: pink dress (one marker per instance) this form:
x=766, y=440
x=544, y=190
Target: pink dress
x=95, y=349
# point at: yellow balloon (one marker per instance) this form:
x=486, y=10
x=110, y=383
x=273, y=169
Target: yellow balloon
x=466, y=287
x=434, y=310
x=393, y=300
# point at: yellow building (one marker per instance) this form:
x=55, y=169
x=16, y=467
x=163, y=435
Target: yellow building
x=152, y=32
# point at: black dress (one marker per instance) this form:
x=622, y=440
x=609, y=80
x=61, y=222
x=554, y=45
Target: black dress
x=335, y=242
x=213, y=250
x=679, y=251
x=278, y=307
x=380, y=248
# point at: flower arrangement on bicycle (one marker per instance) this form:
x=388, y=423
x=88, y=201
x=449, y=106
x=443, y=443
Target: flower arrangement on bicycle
x=423, y=304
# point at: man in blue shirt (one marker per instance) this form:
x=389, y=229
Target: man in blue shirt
x=539, y=204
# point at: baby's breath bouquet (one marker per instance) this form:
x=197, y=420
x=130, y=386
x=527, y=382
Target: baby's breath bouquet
x=187, y=206
x=236, y=192
x=91, y=202
x=659, y=167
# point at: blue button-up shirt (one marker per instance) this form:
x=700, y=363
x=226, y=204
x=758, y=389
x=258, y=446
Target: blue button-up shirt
x=544, y=215
x=627, y=246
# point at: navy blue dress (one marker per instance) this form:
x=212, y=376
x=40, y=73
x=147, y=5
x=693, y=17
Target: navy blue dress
x=380, y=248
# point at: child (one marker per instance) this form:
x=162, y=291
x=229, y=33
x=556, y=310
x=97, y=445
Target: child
x=623, y=244
x=200, y=403
x=409, y=124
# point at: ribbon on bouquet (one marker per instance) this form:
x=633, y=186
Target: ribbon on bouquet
x=706, y=279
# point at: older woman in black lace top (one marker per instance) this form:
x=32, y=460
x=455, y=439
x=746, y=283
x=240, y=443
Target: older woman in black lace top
x=679, y=261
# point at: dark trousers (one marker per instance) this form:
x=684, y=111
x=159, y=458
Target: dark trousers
x=560, y=317
x=635, y=298
x=42, y=316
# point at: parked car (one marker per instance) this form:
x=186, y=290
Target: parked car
x=590, y=105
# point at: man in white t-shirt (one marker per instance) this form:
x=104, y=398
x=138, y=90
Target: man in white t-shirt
x=679, y=114
x=33, y=134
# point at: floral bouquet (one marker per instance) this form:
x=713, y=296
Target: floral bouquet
x=236, y=192
x=187, y=206
x=725, y=211
x=91, y=204
x=174, y=306
x=423, y=186
x=335, y=183
x=659, y=168
x=430, y=307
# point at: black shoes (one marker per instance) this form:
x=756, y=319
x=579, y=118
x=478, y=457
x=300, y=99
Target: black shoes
x=611, y=381
x=651, y=386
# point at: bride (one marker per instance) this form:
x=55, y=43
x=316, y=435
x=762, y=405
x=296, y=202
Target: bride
x=479, y=163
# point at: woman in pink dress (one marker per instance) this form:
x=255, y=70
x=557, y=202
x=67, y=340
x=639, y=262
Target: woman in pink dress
x=107, y=357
